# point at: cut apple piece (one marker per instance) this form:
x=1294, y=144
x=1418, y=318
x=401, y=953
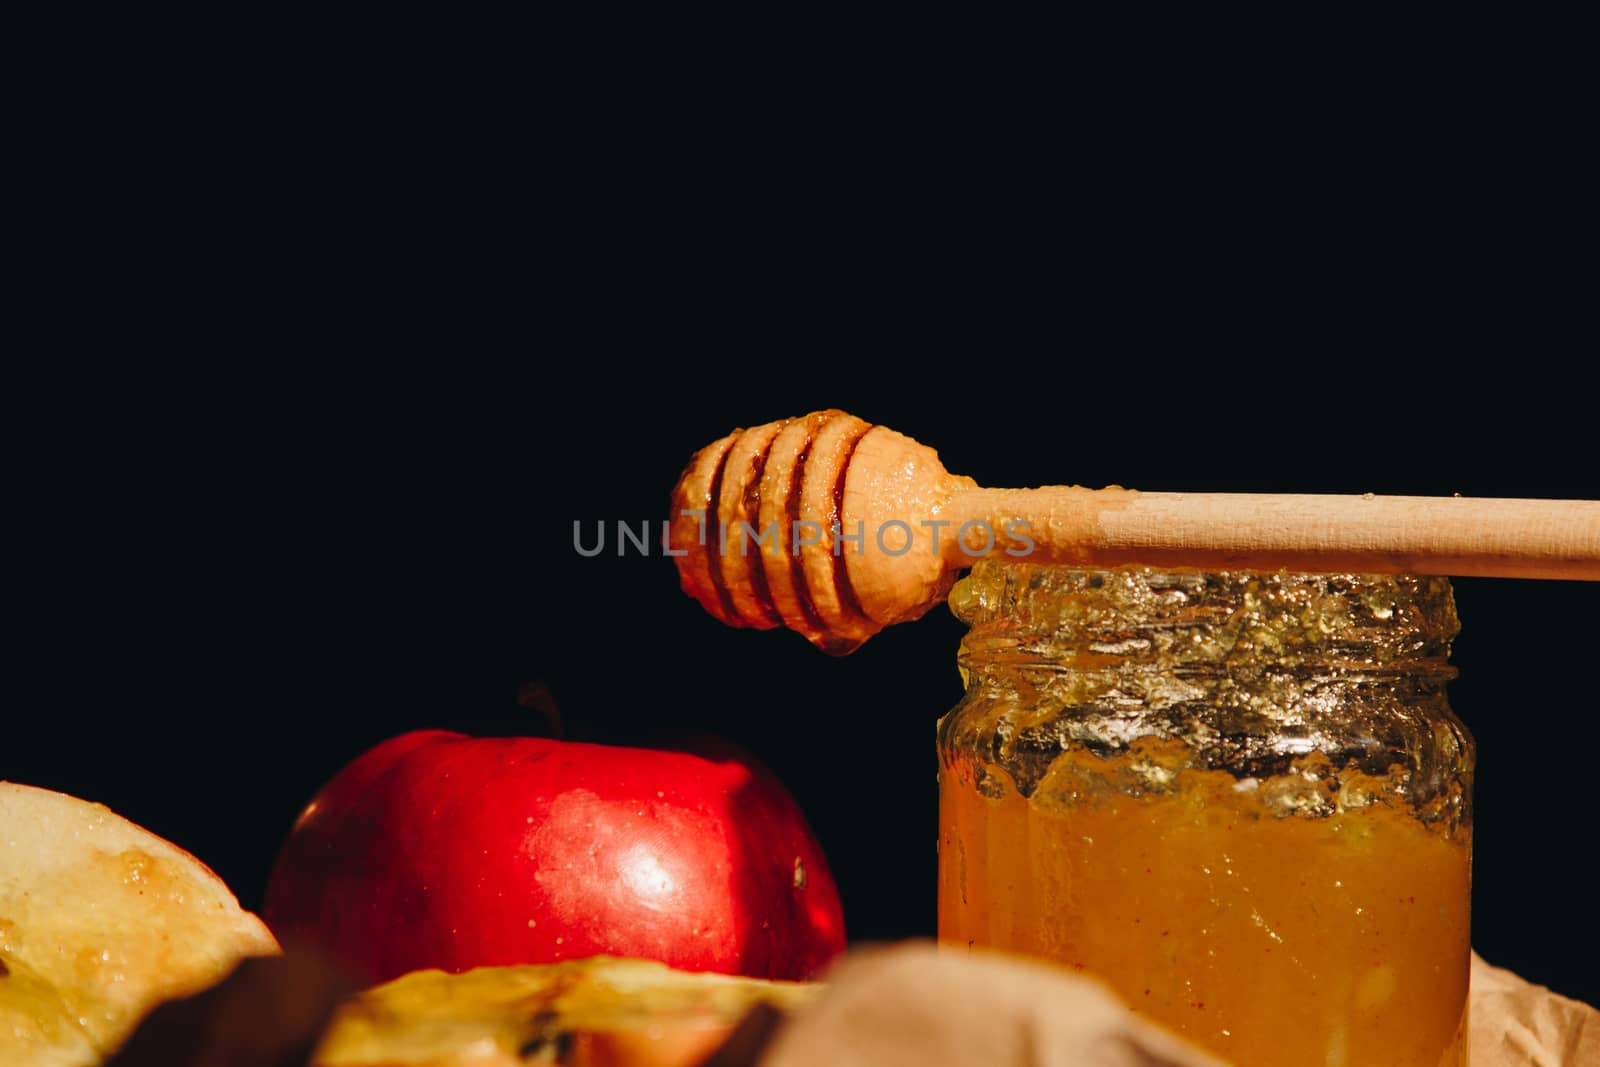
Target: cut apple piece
x=100, y=920
x=597, y=1012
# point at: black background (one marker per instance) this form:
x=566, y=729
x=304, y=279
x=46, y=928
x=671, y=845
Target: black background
x=344, y=507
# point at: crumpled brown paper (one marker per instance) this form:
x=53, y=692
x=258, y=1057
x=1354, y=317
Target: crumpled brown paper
x=1519, y=1024
x=914, y=1006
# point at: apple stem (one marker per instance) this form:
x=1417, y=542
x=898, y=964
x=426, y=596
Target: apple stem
x=536, y=696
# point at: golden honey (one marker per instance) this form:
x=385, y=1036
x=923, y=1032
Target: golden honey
x=1239, y=800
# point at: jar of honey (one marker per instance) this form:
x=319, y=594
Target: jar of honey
x=1239, y=799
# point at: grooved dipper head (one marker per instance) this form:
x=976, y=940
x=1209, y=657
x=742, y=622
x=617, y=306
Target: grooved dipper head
x=824, y=523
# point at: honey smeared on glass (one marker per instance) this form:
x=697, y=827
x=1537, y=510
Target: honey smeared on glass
x=1240, y=800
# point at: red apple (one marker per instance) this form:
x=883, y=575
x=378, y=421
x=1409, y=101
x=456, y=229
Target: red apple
x=439, y=850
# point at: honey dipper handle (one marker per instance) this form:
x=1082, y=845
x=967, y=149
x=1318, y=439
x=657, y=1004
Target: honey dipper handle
x=1245, y=531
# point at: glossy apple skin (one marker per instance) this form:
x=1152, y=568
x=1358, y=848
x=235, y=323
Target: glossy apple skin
x=435, y=849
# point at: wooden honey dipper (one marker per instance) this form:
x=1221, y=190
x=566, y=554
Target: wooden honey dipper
x=837, y=528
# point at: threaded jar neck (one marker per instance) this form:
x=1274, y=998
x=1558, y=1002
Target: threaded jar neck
x=1051, y=617
x=1315, y=676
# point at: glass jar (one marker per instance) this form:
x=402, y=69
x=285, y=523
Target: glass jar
x=1242, y=800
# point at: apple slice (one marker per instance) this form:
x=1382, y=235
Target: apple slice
x=596, y=1012
x=99, y=921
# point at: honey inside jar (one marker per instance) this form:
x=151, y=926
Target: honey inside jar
x=1239, y=800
